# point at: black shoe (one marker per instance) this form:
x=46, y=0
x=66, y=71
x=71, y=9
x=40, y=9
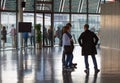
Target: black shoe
x=86, y=71
x=74, y=64
x=97, y=70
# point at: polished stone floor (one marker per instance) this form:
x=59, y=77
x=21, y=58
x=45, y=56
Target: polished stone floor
x=44, y=66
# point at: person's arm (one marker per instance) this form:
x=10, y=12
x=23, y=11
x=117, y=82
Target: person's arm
x=96, y=39
x=80, y=40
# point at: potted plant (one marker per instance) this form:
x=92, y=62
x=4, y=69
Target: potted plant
x=38, y=35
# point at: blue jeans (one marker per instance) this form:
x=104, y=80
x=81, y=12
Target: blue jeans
x=68, y=61
x=94, y=61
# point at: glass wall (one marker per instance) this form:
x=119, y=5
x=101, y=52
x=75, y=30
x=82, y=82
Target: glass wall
x=8, y=19
x=60, y=20
x=29, y=17
x=78, y=21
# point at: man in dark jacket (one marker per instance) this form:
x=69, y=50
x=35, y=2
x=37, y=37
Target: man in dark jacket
x=88, y=41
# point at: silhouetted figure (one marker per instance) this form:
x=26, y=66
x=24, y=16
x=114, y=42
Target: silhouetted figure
x=50, y=35
x=4, y=35
x=45, y=36
x=32, y=36
x=58, y=34
x=88, y=41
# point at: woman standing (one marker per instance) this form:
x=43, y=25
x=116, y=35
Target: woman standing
x=4, y=34
x=66, y=41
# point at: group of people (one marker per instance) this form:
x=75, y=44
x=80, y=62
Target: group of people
x=4, y=33
x=13, y=34
x=30, y=35
x=87, y=40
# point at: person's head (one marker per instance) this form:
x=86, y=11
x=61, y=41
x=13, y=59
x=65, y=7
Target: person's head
x=69, y=24
x=86, y=27
x=66, y=29
x=4, y=27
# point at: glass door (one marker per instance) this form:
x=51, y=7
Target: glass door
x=47, y=31
x=8, y=30
x=60, y=20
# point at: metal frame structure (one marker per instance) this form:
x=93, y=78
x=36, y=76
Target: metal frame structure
x=52, y=11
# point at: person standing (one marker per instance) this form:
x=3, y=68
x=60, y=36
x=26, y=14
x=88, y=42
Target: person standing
x=50, y=35
x=66, y=41
x=88, y=41
x=32, y=36
x=63, y=31
x=4, y=36
x=25, y=38
x=45, y=36
x=13, y=34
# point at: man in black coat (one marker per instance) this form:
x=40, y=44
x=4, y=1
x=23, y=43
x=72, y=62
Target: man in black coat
x=88, y=41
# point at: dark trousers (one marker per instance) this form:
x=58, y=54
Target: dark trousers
x=25, y=42
x=93, y=59
x=67, y=59
x=68, y=62
x=32, y=40
x=63, y=58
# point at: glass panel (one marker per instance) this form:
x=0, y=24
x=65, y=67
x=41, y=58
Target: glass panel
x=94, y=22
x=57, y=5
x=49, y=35
x=76, y=5
x=39, y=20
x=78, y=22
x=29, y=6
x=60, y=20
x=61, y=6
x=10, y=28
x=84, y=6
x=93, y=5
x=65, y=6
x=44, y=7
x=45, y=0
x=29, y=17
x=8, y=4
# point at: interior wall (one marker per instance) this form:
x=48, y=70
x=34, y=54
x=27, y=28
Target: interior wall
x=110, y=37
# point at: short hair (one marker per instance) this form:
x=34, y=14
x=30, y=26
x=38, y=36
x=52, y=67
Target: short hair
x=86, y=25
x=69, y=24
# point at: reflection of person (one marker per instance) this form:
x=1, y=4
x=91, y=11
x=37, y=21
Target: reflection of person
x=13, y=34
x=3, y=36
x=25, y=38
x=67, y=77
x=88, y=41
x=94, y=78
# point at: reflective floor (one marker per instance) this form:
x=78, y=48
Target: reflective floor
x=44, y=66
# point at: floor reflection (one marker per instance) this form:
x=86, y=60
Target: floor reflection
x=67, y=77
x=45, y=66
x=94, y=79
